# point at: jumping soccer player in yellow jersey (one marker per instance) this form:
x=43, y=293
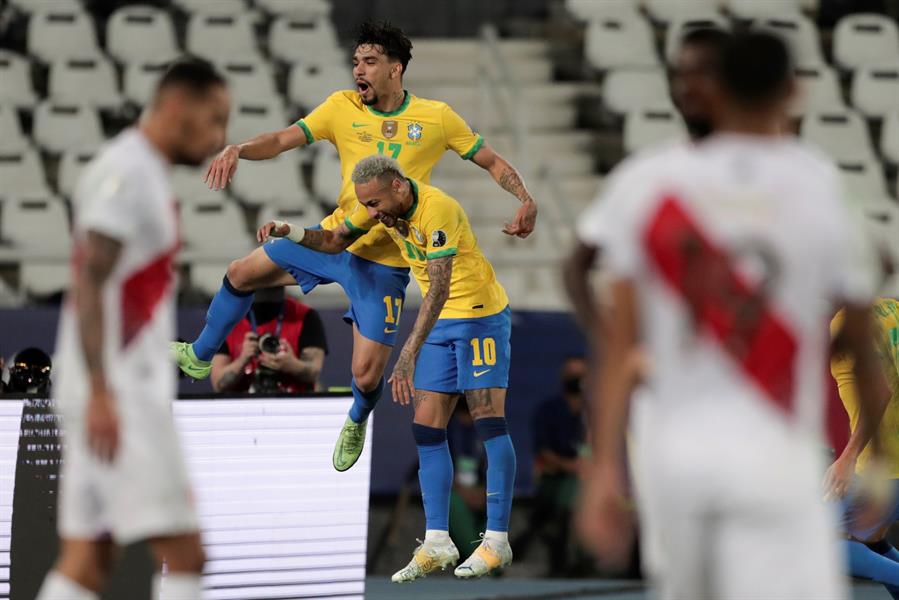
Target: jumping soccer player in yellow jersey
x=870, y=555
x=379, y=116
x=459, y=344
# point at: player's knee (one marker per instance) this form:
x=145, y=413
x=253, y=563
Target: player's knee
x=366, y=374
x=239, y=275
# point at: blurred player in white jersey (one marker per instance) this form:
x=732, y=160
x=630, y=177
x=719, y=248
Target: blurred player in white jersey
x=123, y=476
x=726, y=260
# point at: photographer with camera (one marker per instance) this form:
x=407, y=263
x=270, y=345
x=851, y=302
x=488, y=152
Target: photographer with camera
x=279, y=347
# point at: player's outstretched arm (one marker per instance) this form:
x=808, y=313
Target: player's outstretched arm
x=329, y=241
x=261, y=147
x=509, y=179
x=440, y=273
x=101, y=253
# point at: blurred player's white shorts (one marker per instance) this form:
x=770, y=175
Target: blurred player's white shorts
x=144, y=493
x=731, y=509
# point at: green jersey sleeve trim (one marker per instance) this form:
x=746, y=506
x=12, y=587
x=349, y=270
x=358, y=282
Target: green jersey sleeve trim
x=309, y=137
x=442, y=253
x=474, y=149
x=353, y=228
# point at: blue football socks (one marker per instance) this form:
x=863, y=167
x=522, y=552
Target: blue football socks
x=364, y=402
x=435, y=475
x=229, y=306
x=877, y=561
x=501, y=466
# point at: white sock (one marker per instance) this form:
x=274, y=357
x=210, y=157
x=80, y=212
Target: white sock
x=497, y=536
x=59, y=587
x=177, y=586
x=437, y=535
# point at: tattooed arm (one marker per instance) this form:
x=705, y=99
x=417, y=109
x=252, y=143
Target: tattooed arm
x=510, y=180
x=329, y=241
x=101, y=253
x=440, y=272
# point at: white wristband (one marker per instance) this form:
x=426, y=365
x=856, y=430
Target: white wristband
x=294, y=233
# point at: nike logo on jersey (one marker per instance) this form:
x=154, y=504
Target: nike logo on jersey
x=492, y=494
x=355, y=125
x=479, y=373
x=389, y=330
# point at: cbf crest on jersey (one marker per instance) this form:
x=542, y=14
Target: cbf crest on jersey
x=414, y=130
x=388, y=129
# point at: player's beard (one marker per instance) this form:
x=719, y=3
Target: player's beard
x=372, y=101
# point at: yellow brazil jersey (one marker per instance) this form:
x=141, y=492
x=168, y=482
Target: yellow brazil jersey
x=437, y=226
x=886, y=313
x=416, y=135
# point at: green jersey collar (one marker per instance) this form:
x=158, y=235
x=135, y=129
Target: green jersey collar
x=407, y=97
x=411, y=210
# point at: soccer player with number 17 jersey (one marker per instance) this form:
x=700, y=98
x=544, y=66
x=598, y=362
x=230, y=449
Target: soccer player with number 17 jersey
x=378, y=117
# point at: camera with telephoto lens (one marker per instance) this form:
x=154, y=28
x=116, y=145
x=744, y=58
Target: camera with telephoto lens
x=267, y=380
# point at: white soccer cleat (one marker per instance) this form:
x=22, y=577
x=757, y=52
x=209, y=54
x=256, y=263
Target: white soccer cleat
x=427, y=558
x=486, y=558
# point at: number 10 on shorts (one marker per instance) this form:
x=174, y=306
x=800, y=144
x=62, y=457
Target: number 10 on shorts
x=488, y=357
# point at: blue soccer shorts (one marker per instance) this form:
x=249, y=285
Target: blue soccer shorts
x=466, y=354
x=376, y=291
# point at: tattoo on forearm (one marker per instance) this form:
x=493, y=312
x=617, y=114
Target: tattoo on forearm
x=479, y=403
x=511, y=181
x=440, y=273
x=316, y=239
x=324, y=240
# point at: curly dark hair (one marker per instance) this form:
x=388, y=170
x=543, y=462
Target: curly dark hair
x=390, y=38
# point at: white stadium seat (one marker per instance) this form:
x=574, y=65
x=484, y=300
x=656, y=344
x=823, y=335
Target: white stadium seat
x=629, y=89
x=11, y=137
x=819, y=91
x=875, y=90
x=800, y=33
x=190, y=187
x=304, y=9
x=309, y=84
x=681, y=25
x=212, y=7
x=648, y=126
x=620, y=41
x=70, y=168
x=206, y=275
x=59, y=127
x=667, y=11
x=15, y=80
x=56, y=35
x=327, y=178
x=865, y=39
x=591, y=10
x=140, y=81
x=88, y=81
x=33, y=6
x=216, y=230
x=217, y=37
x=753, y=9
x=274, y=182
x=38, y=224
x=889, y=138
x=304, y=40
x=141, y=33
x=250, y=119
x=863, y=179
x=22, y=174
x=44, y=278
x=842, y=135
x=248, y=78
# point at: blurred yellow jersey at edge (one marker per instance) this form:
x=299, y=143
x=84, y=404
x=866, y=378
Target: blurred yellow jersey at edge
x=886, y=321
x=416, y=135
x=438, y=227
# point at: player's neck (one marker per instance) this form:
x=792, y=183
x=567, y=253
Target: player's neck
x=156, y=135
x=761, y=124
x=390, y=102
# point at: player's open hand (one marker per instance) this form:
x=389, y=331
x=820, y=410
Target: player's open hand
x=401, y=380
x=272, y=230
x=222, y=168
x=524, y=222
x=838, y=478
x=102, y=425
x=604, y=522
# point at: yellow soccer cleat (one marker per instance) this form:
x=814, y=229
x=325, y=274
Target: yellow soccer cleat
x=486, y=558
x=427, y=558
x=183, y=354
